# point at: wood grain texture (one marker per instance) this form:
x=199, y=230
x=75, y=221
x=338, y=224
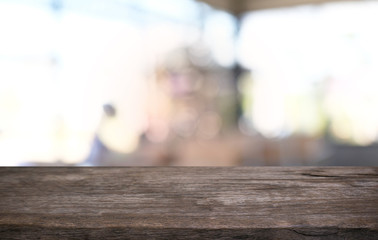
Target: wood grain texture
x=189, y=203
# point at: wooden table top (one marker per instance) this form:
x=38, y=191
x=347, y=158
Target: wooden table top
x=189, y=203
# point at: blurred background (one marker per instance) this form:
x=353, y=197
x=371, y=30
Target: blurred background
x=188, y=83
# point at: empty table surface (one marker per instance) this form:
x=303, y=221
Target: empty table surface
x=189, y=203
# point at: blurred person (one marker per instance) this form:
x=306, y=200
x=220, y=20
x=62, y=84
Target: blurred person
x=99, y=149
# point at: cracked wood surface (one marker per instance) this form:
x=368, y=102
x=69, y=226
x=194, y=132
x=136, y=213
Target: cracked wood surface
x=189, y=203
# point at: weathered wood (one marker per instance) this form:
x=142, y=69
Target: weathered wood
x=189, y=203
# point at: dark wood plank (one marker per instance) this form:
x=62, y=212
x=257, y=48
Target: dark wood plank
x=189, y=203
